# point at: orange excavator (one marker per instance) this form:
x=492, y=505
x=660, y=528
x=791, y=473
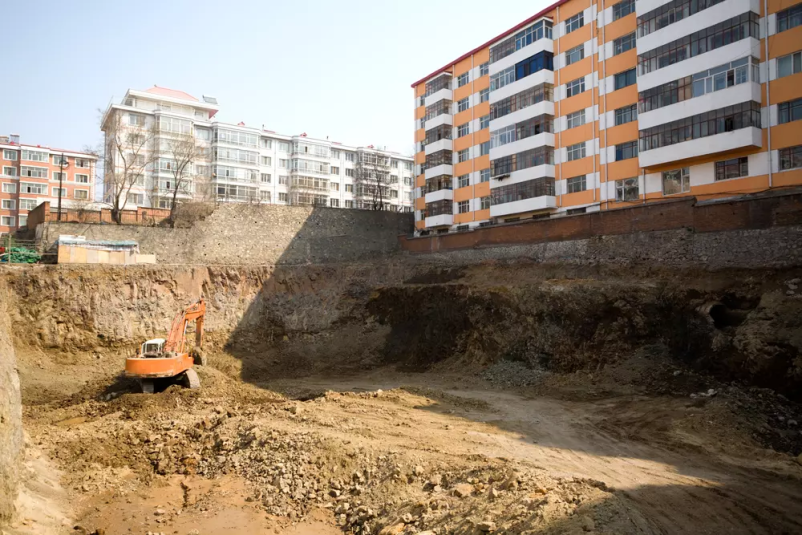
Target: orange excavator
x=161, y=359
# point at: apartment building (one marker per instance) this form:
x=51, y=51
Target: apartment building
x=32, y=174
x=240, y=163
x=596, y=105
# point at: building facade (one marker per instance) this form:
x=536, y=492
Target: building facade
x=593, y=105
x=239, y=163
x=32, y=174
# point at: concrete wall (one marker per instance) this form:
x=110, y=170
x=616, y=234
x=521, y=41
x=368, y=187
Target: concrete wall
x=258, y=235
x=10, y=416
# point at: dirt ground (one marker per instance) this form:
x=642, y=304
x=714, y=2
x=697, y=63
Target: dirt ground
x=506, y=451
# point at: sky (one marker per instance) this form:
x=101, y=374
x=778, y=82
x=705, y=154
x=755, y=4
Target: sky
x=337, y=69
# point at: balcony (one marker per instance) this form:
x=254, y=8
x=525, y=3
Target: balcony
x=520, y=145
x=544, y=107
x=439, y=195
x=436, y=146
x=443, y=94
x=534, y=204
x=442, y=220
x=439, y=120
x=543, y=44
x=719, y=143
x=438, y=170
x=524, y=175
x=540, y=77
x=517, y=198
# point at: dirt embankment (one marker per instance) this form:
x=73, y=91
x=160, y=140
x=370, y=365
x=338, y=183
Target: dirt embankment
x=10, y=414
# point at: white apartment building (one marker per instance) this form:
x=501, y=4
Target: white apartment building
x=239, y=163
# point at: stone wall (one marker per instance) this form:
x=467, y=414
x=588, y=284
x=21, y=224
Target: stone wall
x=258, y=235
x=10, y=415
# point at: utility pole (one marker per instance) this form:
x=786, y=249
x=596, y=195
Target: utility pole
x=60, y=178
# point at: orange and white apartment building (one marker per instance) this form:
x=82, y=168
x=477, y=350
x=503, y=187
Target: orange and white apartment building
x=595, y=105
x=30, y=175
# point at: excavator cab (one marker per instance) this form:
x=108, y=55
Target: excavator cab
x=171, y=359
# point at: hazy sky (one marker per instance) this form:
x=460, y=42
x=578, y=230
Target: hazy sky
x=339, y=69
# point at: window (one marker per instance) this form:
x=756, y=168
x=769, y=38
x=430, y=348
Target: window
x=8, y=204
x=484, y=69
x=33, y=172
x=463, y=130
x=625, y=151
x=622, y=9
x=282, y=197
x=28, y=204
x=575, y=22
x=484, y=175
x=523, y=38
x=463, y=104
x=266, y=160
x=335, y=186
x=464, y=180
x=349, y=188
x=7, y=221
x=282, y=180
x=55, y=192
x=576, y=119
x=575, y=87
x=59, y=160
x=484, y=203
x=10, y=155
x=744, y=115
x=463, y=79
x=284, y=146
x=789, y=18
x=82, y=179
x=624, y=79
x=626, y=114
x=10, y=171
x=714, y=79
x=676, y=181
x=790, y=158
x=622, y=44
x=575, y=54
x=23, y=220
x=349, y=204
x=34, y=156
x=136, y=120
x=576, y=184
x=701, y=42
x=484, y=148
x=265, y=196
x=134, y=140
x=349, y=172
x=463, y=155
x=519, y=191
x=484, y=95
x=484, y=122
x=790, y=64
x=626, y=190
x=522, y=100
x=267, y=143
x=174, y=125
x=9, y=188
x=334, y=203
x=575, y=152
x=734, y=168
x=81, y=163
x=463, y=207
x=266, y=178
x=523, y=160
x=81, y=194
x=335, y=170
x=789, y=111
x=500, y=79
x=671, y=12
x=283, y=164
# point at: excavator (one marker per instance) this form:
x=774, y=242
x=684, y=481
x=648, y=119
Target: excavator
x=169, y=359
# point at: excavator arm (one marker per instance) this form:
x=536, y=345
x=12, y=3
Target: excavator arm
x=176, y=340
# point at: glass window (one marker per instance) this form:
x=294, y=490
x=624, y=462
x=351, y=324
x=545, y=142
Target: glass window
x=10, y=155
x=576, y=184
x=625, y=151
x=136, y=119
x=529, y=189
x=624, y=79
x=484, y=175
x=463, y=79
x=626, y=114
x=484, y=95
x=622, y=44
x=82, y=179
x=464, y=180
x=484, y=69
x=575, y=152
x=789, y=111
x=734, y=168
x=670, y=13
x=575, y=54
x=676, y=181
x=463, y=130
x=463, y=207
x=622, y=9
x=627, y=190
x=9, y=171
x=525, y=37
x=576, y=119
x=524, y=99
x=484, y=148
x=484, y=122
x=790, y=158
x=9, y=188
x=484, y=203
x=463, y=155
x=575, y=87
x=789, y=18
x=575, y=22
x=8, y=204
x=34, y=156
x=7, y=221
x=462, y=105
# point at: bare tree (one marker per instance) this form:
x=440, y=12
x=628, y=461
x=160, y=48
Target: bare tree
x=127, y=153
x=371, y=179
x=181, y=152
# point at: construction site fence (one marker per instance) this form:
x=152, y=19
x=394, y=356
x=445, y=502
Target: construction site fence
x=15, y=251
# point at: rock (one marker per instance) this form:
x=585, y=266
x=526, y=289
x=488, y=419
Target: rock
x=463, y=490
x=587, y=524
x=418, y=470
x=799, y=458
x=407, y=518
x=494, y=493
x=294, y=409
x=436, y=480
x=159, y=512
x=487, y=526
x=395, y=529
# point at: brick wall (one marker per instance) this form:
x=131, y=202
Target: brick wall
x=686, y=213
x=243, y=234
x=141, y=216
